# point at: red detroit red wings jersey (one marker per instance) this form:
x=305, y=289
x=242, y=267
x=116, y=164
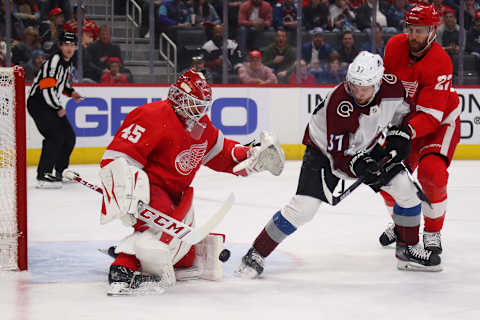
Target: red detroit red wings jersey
x=155, y=139
x=339, y=128
x=428, y=81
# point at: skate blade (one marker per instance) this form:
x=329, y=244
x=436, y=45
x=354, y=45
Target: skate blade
x=119, y=290
x=49, y=185
x=412, y=266
x=246, y=272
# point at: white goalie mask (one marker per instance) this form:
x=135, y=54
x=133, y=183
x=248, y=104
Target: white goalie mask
x=365, y=70
x=191, y=95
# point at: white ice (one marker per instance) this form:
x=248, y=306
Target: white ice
x=332, y=268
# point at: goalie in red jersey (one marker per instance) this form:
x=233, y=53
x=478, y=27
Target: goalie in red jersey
x=426, y=72
x=153, y=158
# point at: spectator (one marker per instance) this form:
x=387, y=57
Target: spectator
x=396, y=15
x=255, y=72
x=341, y=17
x=27, y=11
x=253, y=17
x=173, y=13
x=347, y=50
x=91, y=72
x=103, y=49
x=233, y=9
x=469, y=13
x=46, y=6
x=363, y=16
x=315, y=14
x=113, y=75
x=34, y=64
x=279, y=56
x=17, y=26
x=22, y=50
x=379, y=43
x=473, y=36
x=305, y=76
x=285, y=15
x=316, y=52
x=3, y=52
x=213, y=54
x=333, y=73
x=72, y=24
x=50, y=29
x=441, y=8
x=203, y=12
x=449, y=33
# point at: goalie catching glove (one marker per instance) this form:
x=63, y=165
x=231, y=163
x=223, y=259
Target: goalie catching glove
x=267, y=156
x=123, y=186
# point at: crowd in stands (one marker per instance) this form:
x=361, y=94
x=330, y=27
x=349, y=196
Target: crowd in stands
x=36, y=25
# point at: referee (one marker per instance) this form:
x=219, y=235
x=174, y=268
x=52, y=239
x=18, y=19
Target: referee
x=43, y=104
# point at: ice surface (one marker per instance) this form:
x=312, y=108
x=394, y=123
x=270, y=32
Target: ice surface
x=332, y=268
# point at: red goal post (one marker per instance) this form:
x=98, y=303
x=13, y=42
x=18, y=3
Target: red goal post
x=13, y=179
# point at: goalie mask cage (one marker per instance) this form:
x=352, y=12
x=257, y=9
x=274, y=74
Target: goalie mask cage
x=13, y=193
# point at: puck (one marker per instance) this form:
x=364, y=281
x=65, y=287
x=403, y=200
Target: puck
x=224, y=255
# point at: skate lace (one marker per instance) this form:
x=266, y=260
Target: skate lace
x=432, y=239
x=255, y=256
x=390, y=231
x=419, y=253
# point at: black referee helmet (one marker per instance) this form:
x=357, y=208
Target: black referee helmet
x=68, y=37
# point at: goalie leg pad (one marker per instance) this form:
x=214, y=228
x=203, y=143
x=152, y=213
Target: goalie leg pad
x=155, y=258
x=207, y=254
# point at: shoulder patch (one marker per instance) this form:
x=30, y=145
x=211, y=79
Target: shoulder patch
x=344, y=109
x=390, y=78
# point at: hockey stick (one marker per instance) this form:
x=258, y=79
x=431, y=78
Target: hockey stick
x=420, y=194
x=334, y=200
x=161, y=221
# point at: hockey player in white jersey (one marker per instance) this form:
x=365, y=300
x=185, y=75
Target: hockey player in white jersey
x=358, y=132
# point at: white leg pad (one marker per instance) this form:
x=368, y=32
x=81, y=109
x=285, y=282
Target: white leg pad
x=155, y=257
x=206, y=257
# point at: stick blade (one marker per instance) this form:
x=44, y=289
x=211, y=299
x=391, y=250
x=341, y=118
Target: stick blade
x=198, y=234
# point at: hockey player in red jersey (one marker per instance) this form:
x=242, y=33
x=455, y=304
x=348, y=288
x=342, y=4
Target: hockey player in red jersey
x=426, y=71
x=153, y=158
x=343, y=139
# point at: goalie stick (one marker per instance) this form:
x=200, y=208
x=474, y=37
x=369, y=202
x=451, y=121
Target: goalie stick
x=161, y=221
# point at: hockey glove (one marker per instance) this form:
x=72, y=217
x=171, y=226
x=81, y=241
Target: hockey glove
x=365, y=167
x=398, y=140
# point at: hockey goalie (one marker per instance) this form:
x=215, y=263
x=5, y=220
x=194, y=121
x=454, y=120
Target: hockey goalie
x=153, y=158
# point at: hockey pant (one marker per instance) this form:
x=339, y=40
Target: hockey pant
x=432, y=155
x=59, y=137
x=310, y=194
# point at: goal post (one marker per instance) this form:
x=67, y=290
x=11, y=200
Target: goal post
x=13, y=179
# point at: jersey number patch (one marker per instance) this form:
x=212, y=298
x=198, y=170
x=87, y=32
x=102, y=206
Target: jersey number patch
x=335, y=139
x=443, y=82
x=133, y=133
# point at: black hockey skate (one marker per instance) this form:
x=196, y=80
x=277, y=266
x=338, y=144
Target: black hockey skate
x=416, y=258
x=432, y=241
x=388, y=236
x=251, y=266
x=124, y=281
x=47, y=181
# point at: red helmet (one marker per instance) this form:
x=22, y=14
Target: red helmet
x=423, y=15
x=191, y=95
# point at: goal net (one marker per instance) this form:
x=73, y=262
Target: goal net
x=13, y=196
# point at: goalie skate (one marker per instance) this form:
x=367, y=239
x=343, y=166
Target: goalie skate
x=251, y=266
x=125, y=282
x=416, y=258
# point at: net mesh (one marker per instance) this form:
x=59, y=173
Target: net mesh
x=8, y=208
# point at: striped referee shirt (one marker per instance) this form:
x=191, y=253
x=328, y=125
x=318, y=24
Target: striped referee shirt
x=52, y=80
